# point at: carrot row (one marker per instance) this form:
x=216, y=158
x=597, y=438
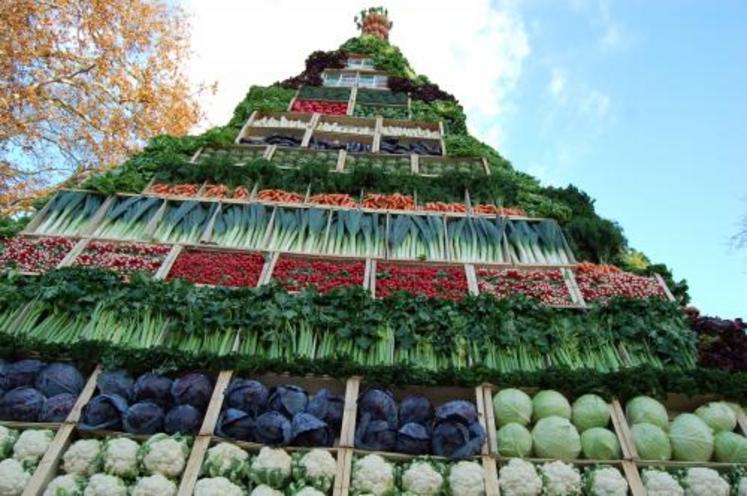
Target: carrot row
x=592, y=268
x=395, y=201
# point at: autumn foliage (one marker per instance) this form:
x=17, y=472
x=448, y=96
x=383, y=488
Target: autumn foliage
x=83, y=83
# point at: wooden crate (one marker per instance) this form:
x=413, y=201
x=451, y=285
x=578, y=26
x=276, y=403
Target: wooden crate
x=573, y=300
x=310, y=384
x=489, y=390
x=488, y=465
x=627, y=469
x=438, y=395
x=203, y=443
x=376, y=265
x=50, y=466
x=675, y=405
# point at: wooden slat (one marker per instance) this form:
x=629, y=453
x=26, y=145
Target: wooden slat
x=269, y=268
x=341, y=157
x=47, y=468
x=626, y=441
x=367, y=274
x=377, y=135
x=623, y=436
x=633, y=477
x=168, y=262
x=486, y=166
x=194, y=466
x=487, y=391
x=269, y=152
x=414, y=163
x=38, y=217
x=350, y=411
x=482, y=416
x=244, y=127
x=490, y=469
x=84, y=397
x=351, y=100
x=344, y=472
x=216, y=402
x=372, y=279
x=742, y=420
x=196, y=155
x=664, y=286
x=94, y=221
x=293, y=100
x=76, y=250
x=207, y=233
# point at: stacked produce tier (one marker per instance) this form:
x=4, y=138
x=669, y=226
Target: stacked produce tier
x=330, y=296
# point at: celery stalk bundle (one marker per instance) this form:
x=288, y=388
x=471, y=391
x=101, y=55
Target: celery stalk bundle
x=128, y=217
x=136, y=329
x=69, y=212
x=241, y=226
x=53, y=327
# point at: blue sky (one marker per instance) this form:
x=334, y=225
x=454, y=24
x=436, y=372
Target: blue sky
x=641, y=104
x=663, y=147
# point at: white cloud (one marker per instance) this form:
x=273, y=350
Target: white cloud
x=612, y=35
x=474, y=49
x=596, y=103
x=557, y=85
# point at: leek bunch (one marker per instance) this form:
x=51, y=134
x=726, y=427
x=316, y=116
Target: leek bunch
x=538, y=243
x=353, y=232
x=300, y=230
x=477, y=239
x=69, y=213
x=184, y=222
x=128, y=218
x=241, y=226
x=419, y=237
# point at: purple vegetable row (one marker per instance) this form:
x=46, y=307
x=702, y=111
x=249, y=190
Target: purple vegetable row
x=34, y=391
x=149, y=404
x=280, y=415
x=416, y=427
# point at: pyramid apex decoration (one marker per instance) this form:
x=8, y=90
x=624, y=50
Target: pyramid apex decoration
x=375, y=22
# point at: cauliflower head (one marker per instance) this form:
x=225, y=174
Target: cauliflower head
x=226, y=460
x=316, y=468
x=607, y=481
x=13, y=477
x=105, y=485
x=661, y=483
x=265, y=490
x=700, y=481
x=372, y=475
x=83, y=457
x=31, y=445
x=7, y=440
x=66, y=485
x=422, y=478
x=153, y=485
x=560, y=479
x=165, y=455
x=217, y=486
x=308, y=491
x=120, y=457
x=272, y=467
x=467, y=479
x=519, y=478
